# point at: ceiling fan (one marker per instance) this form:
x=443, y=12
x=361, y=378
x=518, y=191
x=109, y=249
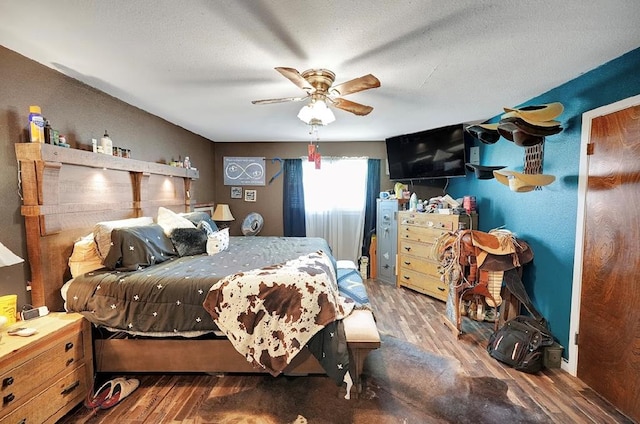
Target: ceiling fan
x=318, y=84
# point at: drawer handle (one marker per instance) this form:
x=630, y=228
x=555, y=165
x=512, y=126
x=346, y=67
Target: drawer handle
x=8, y=398
x=407, y=248
x=68, y=346
x=23, y=421
x=441, y=289
x=7, y=382
x=407, y=262
x=69, y=361
x=406, y=278
x=70, y=388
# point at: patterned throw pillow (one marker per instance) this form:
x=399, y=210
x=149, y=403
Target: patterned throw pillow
x=218, y=241
x=102, y=231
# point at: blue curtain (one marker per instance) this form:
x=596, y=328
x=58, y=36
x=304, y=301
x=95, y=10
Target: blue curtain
x=293, y=199
x=373, y=190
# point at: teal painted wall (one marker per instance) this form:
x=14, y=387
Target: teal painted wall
x=546, y=219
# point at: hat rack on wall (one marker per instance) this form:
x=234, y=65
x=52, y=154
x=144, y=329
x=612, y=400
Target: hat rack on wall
x=527, y=127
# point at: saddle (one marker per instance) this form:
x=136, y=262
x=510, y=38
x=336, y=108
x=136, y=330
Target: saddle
x=477, y=262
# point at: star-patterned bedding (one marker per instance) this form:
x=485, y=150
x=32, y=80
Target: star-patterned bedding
x=269, y=314
x=166, y=298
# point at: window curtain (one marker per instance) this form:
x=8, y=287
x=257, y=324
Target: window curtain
x=335, y=204
x=373, y=191
x=293, y=199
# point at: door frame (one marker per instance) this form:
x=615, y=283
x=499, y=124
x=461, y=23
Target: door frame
x=571, y=366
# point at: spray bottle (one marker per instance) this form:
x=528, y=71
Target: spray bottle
x=36, y=125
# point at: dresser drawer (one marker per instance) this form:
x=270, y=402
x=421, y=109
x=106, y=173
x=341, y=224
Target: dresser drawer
x=54, y=401
x=430, y=220
x=424, y=234
x=408, y=247
x=423, y=283
x=419, y=264
x=63, y=354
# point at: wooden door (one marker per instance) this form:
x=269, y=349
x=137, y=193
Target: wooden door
x=609, y=333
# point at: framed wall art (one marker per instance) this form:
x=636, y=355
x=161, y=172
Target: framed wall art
x=250, y=195
x=236, y=192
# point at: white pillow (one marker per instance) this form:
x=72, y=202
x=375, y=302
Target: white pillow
x=218, y=241
x=169, y=221
x=102, y=231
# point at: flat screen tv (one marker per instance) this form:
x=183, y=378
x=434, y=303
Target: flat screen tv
x=435, y=153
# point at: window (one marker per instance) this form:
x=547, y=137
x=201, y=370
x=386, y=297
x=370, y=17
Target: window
x=334, y=199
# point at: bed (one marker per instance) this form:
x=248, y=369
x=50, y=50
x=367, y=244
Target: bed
x=66, y=192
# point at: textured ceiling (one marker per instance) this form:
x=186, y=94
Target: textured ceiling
x=199, y=64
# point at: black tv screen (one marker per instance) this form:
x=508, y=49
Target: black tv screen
x=435, y=153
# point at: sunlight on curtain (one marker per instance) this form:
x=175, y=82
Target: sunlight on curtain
x=334, y=199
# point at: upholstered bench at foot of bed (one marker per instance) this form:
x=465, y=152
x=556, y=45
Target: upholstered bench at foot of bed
x=360, y=326
x=362, y=337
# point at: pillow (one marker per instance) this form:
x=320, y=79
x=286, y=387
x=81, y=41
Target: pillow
x=84, y=257
x=138, y=247
x=102, y=231
x=198, y=217
x=218, y=241
x=190, y=241
x=169, y=220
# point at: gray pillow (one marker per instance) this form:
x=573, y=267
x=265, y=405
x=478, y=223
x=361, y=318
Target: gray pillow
x=138, y=247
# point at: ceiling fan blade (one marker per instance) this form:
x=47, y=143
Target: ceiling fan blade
x=353, y=107
x=282, y=100
x=294, y=76
x=353, y=86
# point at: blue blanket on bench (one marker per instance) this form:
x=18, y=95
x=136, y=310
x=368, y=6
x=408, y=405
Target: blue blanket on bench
x=350, y=285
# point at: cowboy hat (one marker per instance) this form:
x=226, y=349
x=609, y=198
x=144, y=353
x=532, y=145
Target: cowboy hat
x=487, y=133
x=520, y=182
x=483, y=172
x=540, y=128
x=511, y=132
x=544, y=112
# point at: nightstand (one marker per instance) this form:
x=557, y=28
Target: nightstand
x=45, y=375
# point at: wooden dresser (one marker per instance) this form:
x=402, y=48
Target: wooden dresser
x=417, y=265
x=45, y=375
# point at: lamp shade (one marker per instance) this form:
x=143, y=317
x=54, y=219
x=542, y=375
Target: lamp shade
x=222, y=213
x=7, y=257
x=316, y=113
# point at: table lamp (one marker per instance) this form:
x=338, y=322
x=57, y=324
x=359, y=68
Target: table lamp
x=222, y=216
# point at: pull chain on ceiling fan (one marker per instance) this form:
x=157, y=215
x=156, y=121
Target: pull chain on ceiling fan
x=318, y=84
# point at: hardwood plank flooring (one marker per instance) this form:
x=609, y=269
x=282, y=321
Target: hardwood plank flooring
x=401, y=313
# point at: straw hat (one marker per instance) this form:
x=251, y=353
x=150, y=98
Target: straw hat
x=520, y=182
x=544, y=112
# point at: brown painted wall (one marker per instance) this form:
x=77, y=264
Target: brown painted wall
x=269, y=197
x=81, y=113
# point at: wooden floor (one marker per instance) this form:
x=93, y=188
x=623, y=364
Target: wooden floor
x=417, y=319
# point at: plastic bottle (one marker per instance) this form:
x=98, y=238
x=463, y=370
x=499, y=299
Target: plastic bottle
x=106, y=143
x=36, y=125
x=413, y=202
x=48, y=132
x=187, y=162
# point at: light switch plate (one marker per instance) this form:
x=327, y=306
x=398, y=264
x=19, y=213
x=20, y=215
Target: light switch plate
x=474, y=155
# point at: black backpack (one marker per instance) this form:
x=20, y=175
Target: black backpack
x=520, y=342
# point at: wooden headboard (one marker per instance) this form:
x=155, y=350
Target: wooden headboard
x=66, y=191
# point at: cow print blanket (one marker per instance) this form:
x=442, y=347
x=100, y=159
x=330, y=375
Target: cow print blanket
x=269, y=314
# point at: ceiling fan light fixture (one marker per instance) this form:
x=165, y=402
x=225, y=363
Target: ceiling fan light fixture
x=316, y=113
